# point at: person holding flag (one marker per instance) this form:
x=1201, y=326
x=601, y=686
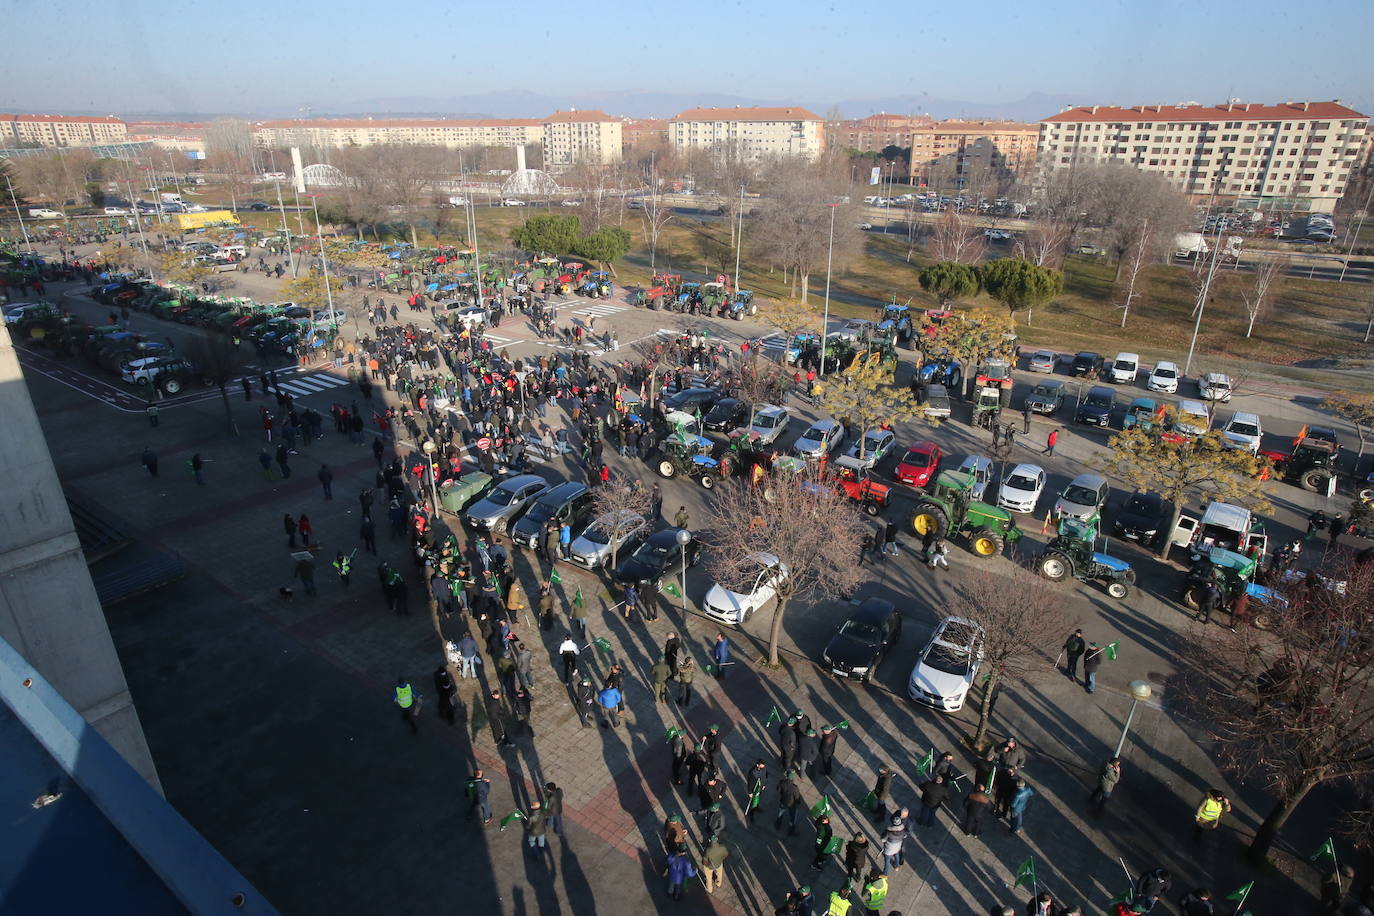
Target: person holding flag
x=1092, y=660
x=755, y=780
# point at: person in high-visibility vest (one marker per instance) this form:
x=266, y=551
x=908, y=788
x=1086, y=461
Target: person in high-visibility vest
x=409, y=702
x=839, y=902
x=1208, y=815
x=344, y=565
x=875, y=891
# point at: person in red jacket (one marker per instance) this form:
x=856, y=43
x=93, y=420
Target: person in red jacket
x=1050, y=441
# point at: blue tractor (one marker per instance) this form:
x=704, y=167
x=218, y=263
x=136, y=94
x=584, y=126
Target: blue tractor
x=896, y=322
x=1072, y=553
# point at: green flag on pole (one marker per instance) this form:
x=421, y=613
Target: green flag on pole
x=756, y=798
x=843, y=723
x=820, y=807
x=1125, y=896
x=672, y=589
x=1241, y=892
x=577, y=599
x=603, y=644
x=1110, y=651
x=671, y=733
x=1327, y=851
x=516, y=815
x=772, y=717
x=869, y=800
x=925, y=763
x=833, y=846
x=711, y=669
x=554, y=577
x=1025, y=874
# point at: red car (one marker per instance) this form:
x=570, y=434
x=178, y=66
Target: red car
x=920, y=463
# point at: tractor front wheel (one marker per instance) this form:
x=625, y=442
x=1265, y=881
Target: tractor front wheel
x=1192, y=597
x=667, y=469
x=1315, y=480
x=986, y=543
x=1055, y=566
x=929, y=518
x=1118, y=589
x=871, y=507
x=708, y=481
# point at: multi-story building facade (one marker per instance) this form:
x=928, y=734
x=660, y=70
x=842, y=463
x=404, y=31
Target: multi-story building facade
x=953, y=154
x=756, y=132
x=878, y=131
x=56, y=131
x=335, y=132
x=1292, y=156
x=174, y=136
x=644, y=133
x=572, y=137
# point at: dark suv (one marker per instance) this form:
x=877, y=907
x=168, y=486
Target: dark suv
x=1087, y=364
x=690, y=400
x=570, y=502
x=1096, y=409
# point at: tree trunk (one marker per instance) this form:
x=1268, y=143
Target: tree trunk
x=1169, y=532
x=414, y=241
x=1250, y=328
x=775, y=631
x=985, y=708
x=805, y=287
x=1278, y=816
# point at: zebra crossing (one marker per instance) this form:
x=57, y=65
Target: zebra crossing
x=599, y=311
x=314, y=383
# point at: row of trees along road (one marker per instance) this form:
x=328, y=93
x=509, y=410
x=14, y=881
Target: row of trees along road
x=1015, y=282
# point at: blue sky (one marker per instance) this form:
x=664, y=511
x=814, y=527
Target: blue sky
x=213, y=56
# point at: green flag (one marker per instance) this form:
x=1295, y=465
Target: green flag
x=833, y=846
x=672, y=589
x=577, y=599
x=1025, y=874
x=1125, y=896
x=821, y=807
x=671, y=733
x=1110, y=650
x=1241, y=892
x=925, y=763
x=516, y=815
x=603, y=644
x=711, y=669
x=843, y=723
x=755, y=799
x=1327, y=851
x=554, y=577
x=772, y=717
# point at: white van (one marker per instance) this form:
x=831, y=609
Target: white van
x=43, y=213
x=1125, y=367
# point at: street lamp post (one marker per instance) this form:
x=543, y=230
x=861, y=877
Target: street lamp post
x=430, y=448
x=829, y=258
x=684, y=537
x=1140, y=690
x=286, y=231
x=22, y=228
x=324, y=264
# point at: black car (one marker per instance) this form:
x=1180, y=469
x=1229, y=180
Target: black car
x=658, y=556
x=1096, y=408
x=570, y=501
x=863, y=640
x=727, y=414
x=259, y=206
x=1087, y=364
x=1143, y=517
x=690, y=400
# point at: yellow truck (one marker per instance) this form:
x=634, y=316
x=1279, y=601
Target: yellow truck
x=201, y=220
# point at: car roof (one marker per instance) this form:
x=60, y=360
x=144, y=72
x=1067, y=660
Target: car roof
x=878, y=432
x=1147, y=496
x=1188, y=405
x=1236, y=518
x=826, y=423
x=976, y=461
x=873, y=610
x=1030, y=470
x=1043, y=353
x=926, y=448
x=1088, y=480
x=667, y=534
x=1217, y=377
x=1164, y=363
x=949, y=622
x=770, y=410
x=1087, y=353
x=1050, y=383
x=626, y=514
x=564, y=490
x=845, y=461
x=1102, y=389
x=1135, y=357
x=1244, y=417
x=520, y=480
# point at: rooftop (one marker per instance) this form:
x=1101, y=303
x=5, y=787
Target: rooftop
x=1231, y=111
x=747, y=114
x=354, y=123
x=58, y=118
x=573, y=116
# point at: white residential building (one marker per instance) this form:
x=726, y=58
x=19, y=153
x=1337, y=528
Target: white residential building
x=574, y=136
x=756, y=132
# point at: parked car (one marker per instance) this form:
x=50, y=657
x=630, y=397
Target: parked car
x=726, y=605
x=872, y=447
x=1096, y=408
x=979, y=467
x=1021, y=488
x=1042, y=361
x=592, y=548
x=1142, y=412
x=725, y=415
x=1191, y=419
x=820, y=438
x=1214, y=386
x=1124, y=368
x=116, y=211
x=1083, y=498
x=864, y=640
x=503, y=505
x=919, y=464
x=512, y=202
x=570, y=501
x=660, y=555
x=691, y=400
x=1047, y=397
x=948, y=665
x=937, y=402
x=1163, y=378
x=169, y=373
x=1086, y=364
x=1143, y=517
x=1243, y=430
x=769, y=423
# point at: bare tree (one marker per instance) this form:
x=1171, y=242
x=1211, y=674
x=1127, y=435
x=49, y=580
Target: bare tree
x=1044, y=244
x=1138, y=211
x=1024, y=623
x=761, y=381
x=219, y=360
x=1294, y=704
x=794, y=224
x=957, y=238
x=1135, y=261
x=1063, y=197
x=656, y=215
x=1259, y=295
x=620, y=506
x=809, y=526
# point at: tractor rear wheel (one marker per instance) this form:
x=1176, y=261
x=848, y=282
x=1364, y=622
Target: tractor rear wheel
x=986, y=543
x=1118, y=589
x=1192, y=597
x=1055, y=566
x=929, y=518
x=871, y=507
x=667, y=469
x=1314, y=480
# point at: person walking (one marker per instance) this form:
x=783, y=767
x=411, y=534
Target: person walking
x=874, y=891
x=536, y=826
x=824, y=833
x=808, y=751
x=306, y=531
x=343, y=565
x=893, y=838
x=1016, y=808
x=524, y=666
x=567, y=650
x=720, y=654
x=686, y=672
x=681, y=518
x=660, y=674
x=479, y=790
x=680, y=868
x=1050, y=441
x=305, y=571
x=469, y=656
x=149, y=460
x=934, y=794
x=283, y=460
x=789, y=799
x=609, y=698
x=656, y=503
x=1026, y=418
x=881, y=787
x=787, y=743
x=586, y=697
x=151, y=410
x=1208, y=815
x=1196, y=903
x=496, y=716
x=713, y=863
x=1074, y=647
x=553, y=806
x=197, y=465
x=326, y=478
x=975, y=808
x=409, y=702
x=265, y=460
x=447, y=692
x=856, y=860
x=825, y=760
x=1092, y=660
x=630, y=601
x=1107, y=780
x=565, y=540
x=939, y=554
x=289, y=524
x=678, y=746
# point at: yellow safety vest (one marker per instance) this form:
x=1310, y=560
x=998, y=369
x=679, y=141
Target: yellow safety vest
x=1210, y=810
x=404, y=696
x=875, y=894
x=839, y=904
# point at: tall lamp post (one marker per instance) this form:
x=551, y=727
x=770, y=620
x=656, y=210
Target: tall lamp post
x=430, y=448
x=829, y=257
x=22, y=228
x=1140, y=690
x=684, y=537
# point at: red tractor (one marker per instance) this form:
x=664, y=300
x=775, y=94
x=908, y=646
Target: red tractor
x=854, y=481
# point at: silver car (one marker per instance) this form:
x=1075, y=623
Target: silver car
x=821, y=438
x=1042, y=361
x=504, y=504
x=592, y=548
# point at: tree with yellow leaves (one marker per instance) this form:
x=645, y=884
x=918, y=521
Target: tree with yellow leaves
x=309, y=291
x=971, y=336
x=790, y=316
x=181, y=267
x=866, y=396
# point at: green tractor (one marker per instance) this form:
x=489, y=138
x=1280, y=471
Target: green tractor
x=1071, y=553
x=950, y=509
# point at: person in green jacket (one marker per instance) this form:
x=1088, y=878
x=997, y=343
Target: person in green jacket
x=714, y=861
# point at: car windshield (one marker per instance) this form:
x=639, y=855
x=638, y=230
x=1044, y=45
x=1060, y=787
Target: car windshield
x=863, y=632
x=540, y=512
x=501, y=497
x=1243, y=429
x=1021, y=482
x=917, y=459
x=653, y=550
x=767, y=421
x=721, y=411
x=1165, y=372
x=871, y=443
x=1081, y=496
x=1099, y=400
x=597, y=535
x=949, y=659
x=1124, y=364
x=1140, y=505
x=814, y=434
x=1046, y=391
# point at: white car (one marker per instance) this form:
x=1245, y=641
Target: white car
x=1021, y=488
x=1243, y=431
x=997, y=235
x=1163, y=378
x=116, y=211
x=980, y=466
x=729, y=606
x=44, y=213
x=876, y=443
x=512, y=202
x=1214, y=386
x=592, y=548
x=572, y=203
x=194, y=208
x=821, y=438
x=948, y=665
x=469, y=316
x=768, y=423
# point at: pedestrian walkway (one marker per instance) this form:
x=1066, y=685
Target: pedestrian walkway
x=599, y=311
x=304, y=385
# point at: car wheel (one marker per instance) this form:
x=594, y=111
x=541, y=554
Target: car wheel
x=1118, y=589
x=172, y=386
x=744, y=616
x=872, y=670
x=708, y=482
x=1055, y=566
x=1192, y=598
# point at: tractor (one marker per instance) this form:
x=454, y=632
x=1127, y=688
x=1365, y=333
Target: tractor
x=897, y=320
x=1071, y=553
x=742, y=304
x=949, y=509
x=1311, y=462
x=1229, y=571
x=714, y=297
x=596, y=285
x=855, y=481
x=688, y=455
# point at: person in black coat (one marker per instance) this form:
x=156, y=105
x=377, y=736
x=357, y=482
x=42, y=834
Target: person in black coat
x=808, y=750
x=829, y=739
x=787, y=741
x=447, y=692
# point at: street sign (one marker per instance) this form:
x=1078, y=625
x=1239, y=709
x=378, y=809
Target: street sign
x=484, y=443
x=875, y=176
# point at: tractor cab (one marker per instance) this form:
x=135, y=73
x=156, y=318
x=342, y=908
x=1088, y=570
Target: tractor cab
x=684, y=425
x=743, y=304
x=898, y=317
x=1072, y=553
